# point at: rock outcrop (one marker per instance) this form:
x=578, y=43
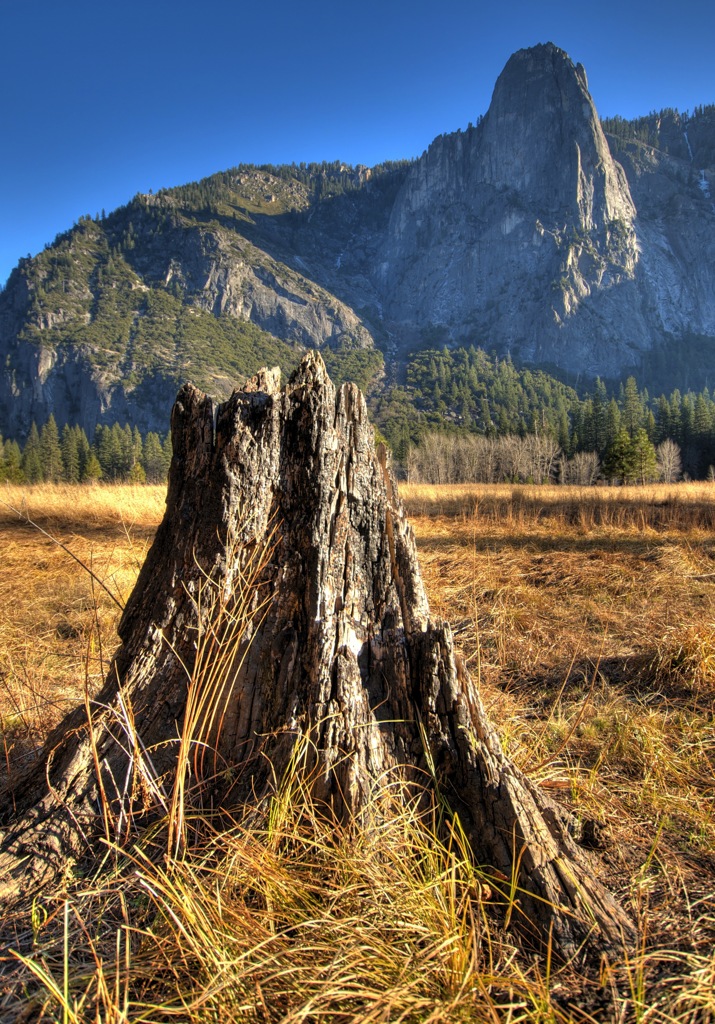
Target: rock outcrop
x=521, y=230
x=533, y=233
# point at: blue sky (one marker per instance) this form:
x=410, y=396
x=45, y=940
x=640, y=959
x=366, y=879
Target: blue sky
x=102, y=100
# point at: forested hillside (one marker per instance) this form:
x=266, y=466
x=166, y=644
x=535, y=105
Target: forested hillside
x=687, y=135
x=468, y=393
x=460, y=415
x=206, y=282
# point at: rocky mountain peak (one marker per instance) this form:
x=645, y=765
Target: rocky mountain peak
x=542, y=137
x=535, y=184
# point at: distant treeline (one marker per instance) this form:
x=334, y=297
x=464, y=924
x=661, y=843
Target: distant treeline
x=335, y=176
x=466, y=392
x=546, y=429
x=115, y=454
x=687, y=135
x=324, y=179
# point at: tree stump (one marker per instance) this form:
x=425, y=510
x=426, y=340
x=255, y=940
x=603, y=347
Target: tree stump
x=280, y=603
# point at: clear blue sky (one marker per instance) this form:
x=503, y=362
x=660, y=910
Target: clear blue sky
x=101, y=100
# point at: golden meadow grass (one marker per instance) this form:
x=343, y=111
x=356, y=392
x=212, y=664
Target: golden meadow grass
x=57, y=624
x=587, y=617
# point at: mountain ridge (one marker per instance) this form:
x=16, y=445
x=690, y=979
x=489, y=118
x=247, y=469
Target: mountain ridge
x=533, y=232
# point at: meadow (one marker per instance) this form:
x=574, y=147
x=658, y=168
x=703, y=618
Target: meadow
x=587, y=617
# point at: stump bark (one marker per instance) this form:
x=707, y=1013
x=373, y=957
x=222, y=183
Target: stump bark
x=280, y=603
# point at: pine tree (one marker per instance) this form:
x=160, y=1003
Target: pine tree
x=70, y=455
x=643, y=458
x=587, y=429
x=600, y=413
x=613, y=423
x=703, y=437
x=632, y=408
x=51, y=452
x=618, y=462
x=93, y=469
x=31, y=462
x=486, y=417
x=137, y=447
x=662, y=420
x=687, y=412
x=650, y=425
x=83, y=452
x=562, y=433
x=101, y=447
x=702, y=420
x=676, y=418
x=108, y=449
x=153, y=458
x=12, y=459
x=125, y=444
x=136, y=474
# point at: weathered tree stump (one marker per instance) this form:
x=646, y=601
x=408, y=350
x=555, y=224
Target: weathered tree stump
x=285, y=557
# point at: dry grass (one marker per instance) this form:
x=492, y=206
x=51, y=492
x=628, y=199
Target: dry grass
x=295, y=919
x=659, y=506
x=57, y=623
x=117, y=508
x=592, y=631
x=589, y=622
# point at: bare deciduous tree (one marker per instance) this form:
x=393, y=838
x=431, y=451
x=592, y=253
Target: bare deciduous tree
x=581, y=470
x=472, y=458
x=669, y=464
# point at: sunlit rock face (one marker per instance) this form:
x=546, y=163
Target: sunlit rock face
x=520, y=227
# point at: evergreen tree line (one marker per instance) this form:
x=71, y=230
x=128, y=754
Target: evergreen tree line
x=618, y=434
x=666, y=129
x=622, y=427
x=327, y=178
x=467, y=392
x=115, y=454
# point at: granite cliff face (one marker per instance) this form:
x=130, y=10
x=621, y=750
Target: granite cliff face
x=676, y=240
x=522, y=227
x=534, y=232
